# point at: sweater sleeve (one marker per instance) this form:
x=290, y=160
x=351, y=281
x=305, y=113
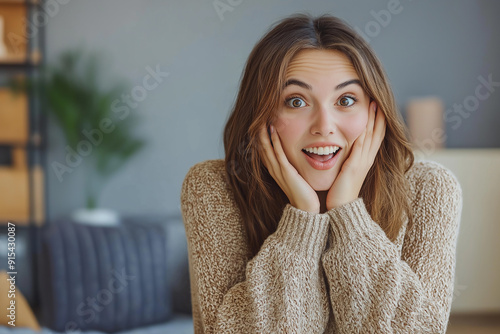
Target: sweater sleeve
x=375, y=289
x=281, y=289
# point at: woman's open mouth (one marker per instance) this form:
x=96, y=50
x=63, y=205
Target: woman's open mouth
x=322, y=158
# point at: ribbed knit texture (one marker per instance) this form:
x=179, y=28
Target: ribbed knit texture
x=335, y=272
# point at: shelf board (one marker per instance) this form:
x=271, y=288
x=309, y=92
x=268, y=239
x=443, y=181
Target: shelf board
x=13, y=59
x=18, y=65
x=19, y=2
x=23, y=59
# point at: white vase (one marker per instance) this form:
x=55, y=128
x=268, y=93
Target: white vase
x=425, y=123
x=98, y=217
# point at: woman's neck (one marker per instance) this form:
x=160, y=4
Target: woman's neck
x=322, y=200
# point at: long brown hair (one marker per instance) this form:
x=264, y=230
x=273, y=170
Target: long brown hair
x=260, y=200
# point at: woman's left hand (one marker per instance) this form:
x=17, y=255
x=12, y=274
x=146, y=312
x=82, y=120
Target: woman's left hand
x=348, y=183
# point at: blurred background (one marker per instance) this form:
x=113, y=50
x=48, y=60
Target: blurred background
x=158, y=79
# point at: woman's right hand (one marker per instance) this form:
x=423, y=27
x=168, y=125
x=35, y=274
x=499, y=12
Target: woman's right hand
x=300, y=194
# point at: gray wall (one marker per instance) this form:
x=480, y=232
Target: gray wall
x=428, y=48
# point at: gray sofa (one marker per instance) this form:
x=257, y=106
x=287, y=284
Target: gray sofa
x=130, y=278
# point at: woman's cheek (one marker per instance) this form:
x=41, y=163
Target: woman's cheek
x=287, y=131
x=280, y=124
x=355, y=127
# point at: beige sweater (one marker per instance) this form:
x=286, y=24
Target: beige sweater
x=335, y=272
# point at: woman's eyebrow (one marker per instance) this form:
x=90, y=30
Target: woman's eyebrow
x=308, y=87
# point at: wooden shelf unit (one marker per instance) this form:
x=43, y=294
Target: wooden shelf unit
x=22, y=124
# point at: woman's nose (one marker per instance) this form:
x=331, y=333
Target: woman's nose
x=323, y=124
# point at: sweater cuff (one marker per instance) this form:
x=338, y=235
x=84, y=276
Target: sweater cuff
x=303, y=232
x=350, y=221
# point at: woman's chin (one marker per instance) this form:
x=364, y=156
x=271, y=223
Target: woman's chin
x=320, y=185
x=321, y=188
x=319, y=181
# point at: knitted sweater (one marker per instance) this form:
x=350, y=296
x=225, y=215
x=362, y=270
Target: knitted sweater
x=334, y=272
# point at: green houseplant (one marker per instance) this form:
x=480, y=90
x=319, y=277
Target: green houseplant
x=72, y=93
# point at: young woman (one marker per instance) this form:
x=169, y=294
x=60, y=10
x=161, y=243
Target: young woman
x=319, y=220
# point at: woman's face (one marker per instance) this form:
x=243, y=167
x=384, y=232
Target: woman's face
x=323, y=106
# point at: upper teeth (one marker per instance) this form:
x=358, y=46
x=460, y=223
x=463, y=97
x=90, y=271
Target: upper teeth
x=322, y=150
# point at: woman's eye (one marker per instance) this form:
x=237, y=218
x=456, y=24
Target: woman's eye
x=346, y=101
x=296, y=102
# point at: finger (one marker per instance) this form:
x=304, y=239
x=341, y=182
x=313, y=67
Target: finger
x=267, y=151
x=274, y=160
x=379, y=130
x=368, y=133
x=280, y=153
x=371, y=118
x=357, y=148
x=379, y=122
x=264, y=142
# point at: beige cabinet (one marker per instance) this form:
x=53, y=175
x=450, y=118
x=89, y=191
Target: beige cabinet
x=477, y=282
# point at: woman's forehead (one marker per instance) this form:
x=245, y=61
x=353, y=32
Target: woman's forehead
x=316, y=62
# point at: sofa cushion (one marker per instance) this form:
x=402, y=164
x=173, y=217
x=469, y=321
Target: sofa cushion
x=178, y=265
x=179, y=324
x=103, y=278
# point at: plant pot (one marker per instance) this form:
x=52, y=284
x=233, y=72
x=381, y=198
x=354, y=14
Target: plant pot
x=98, y=217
